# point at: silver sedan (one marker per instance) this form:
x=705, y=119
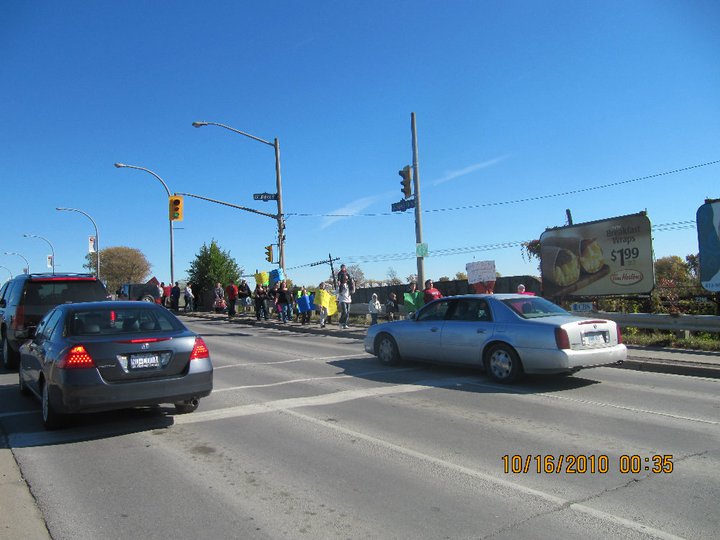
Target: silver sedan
x=505, y=334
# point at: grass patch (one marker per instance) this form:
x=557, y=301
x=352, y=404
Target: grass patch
x=701, y=341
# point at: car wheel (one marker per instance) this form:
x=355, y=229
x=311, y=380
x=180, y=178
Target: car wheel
x=51, y=419
x=24, y=390
x=10, y=357
x=187, y=406
x=148, y=298
x=387, y=351
x=503, y=364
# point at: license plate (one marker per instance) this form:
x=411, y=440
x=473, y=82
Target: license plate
x=144, y=361
x=593, y=338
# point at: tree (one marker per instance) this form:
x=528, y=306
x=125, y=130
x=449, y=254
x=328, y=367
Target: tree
x=357, y=275
x=672, y=268
x=393, y=278
x=211, y=266
x=443, y=278
x=120, y=265
x=412, y=278
x=460, y=276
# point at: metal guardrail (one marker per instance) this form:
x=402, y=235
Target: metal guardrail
x=692, y=323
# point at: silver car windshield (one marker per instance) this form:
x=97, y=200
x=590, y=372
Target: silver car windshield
x=121, y=322
x=533, y=307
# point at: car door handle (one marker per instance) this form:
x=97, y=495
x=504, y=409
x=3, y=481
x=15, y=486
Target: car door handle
x=435, y=329
x=480, y=331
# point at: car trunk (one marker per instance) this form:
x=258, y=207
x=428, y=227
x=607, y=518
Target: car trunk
x=138, y=358
x=591, y=334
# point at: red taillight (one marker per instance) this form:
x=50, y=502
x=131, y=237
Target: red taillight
x=619, y=335
x=200, y=350
x=144, y=340
x=562, y=339
x=77, y=357
x=19, y=319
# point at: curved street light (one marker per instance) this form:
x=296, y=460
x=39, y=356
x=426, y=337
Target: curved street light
x=27, y=264
x=52, y=249
x=97, y=238
x=6, y=268
x=167, y=189
x=278, y=183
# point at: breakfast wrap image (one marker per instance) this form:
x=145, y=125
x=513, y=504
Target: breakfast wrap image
x=559, y=266
x=606, y=257
x=587, y=250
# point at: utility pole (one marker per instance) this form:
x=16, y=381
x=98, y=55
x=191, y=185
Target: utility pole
x=418, y=212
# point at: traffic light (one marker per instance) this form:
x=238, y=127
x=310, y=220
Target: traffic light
x=176, y=207
x=269, y=253
x=406, y=173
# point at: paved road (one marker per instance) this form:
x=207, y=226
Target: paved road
x=305, y=435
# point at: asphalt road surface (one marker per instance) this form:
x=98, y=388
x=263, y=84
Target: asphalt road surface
x=306, y=436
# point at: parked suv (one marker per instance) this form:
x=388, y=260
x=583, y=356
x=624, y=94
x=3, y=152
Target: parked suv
x=145, y=292
x=27, y=297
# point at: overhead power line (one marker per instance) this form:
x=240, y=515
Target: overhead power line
x=446, y=252
x=525, y=199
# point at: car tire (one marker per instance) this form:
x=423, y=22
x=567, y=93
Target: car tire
x=387, y=351
x=24, y=390
x=503, y=364
x=51, y=419
x=187, y=406
x=148, y=298
x=10, y=357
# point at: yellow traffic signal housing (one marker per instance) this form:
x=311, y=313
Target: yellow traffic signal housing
x=269, y=253
x=406, y=173
x=176, y=207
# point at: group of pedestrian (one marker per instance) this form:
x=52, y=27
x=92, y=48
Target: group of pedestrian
x=170, y=296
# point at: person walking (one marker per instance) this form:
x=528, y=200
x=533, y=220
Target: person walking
x=284, y=301
x=218, y=298
x=244, y=294
x=165, y=298
x=261, y=296
x=175, y=297
x=374, y=308
x=232, y=295
x=323, y=312
x=189, y=298
x=431, y=293
x=391, y=307
x=345, y=299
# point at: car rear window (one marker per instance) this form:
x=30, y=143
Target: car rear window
x=53, y=293
x=122, y=322
x=532, y=307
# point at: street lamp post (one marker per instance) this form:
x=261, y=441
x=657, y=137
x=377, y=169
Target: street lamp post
x=167, y=189
x=27, y=264
x=278, y=183
x=97, y=238
x=52, y=249
x=6, y=268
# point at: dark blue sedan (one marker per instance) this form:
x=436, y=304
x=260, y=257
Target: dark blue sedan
x=101, y=356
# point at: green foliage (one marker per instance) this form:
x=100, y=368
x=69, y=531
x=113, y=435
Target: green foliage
x=211, y=266
x=119, y=265
x=461, y=276
x=701, y=341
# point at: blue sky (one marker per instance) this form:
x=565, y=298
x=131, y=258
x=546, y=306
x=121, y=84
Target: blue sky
x=516, y=103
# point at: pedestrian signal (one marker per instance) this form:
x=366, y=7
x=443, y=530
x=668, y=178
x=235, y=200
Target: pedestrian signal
x=176, y=208
x=269, y=253
x=406, y=173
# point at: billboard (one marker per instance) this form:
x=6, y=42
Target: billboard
x=605, y=257
x=708, y=228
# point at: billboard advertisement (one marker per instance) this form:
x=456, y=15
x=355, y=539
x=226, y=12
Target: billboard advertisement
x=708, y=228
x=605, y=257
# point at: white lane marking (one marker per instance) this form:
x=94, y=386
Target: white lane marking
x=302, y=359
x=285, y=405
x=553, y=499
x=602, y=404
x=309, y=379
x=291, y=403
